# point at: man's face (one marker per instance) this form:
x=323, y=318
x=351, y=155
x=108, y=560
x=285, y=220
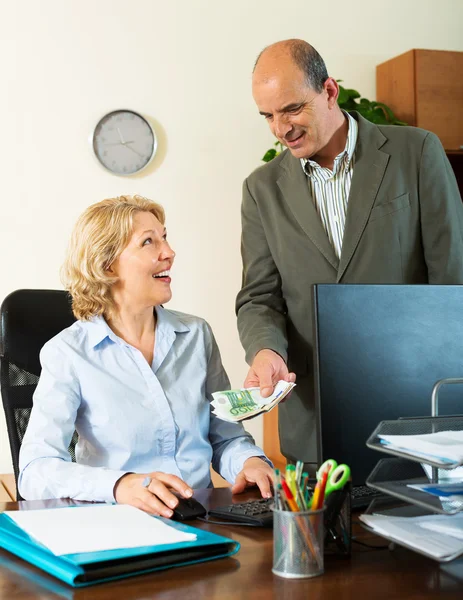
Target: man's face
x=298, y=116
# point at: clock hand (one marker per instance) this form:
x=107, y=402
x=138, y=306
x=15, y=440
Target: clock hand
x=117, y=143
x=120, y=136
x=133, y=149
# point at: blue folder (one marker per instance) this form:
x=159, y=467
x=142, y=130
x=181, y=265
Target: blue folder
x=88, y=568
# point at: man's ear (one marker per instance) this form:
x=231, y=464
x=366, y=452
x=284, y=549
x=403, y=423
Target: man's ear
x=332, y=90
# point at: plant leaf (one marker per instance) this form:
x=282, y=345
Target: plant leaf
x=269, y=155
x=376, y=112
x=343, y=96
x=387, y=110
x=353, y=93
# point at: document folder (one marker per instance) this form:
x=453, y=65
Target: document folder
x=87, y=568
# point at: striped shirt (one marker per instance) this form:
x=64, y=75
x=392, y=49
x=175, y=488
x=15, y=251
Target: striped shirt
x=330, y=188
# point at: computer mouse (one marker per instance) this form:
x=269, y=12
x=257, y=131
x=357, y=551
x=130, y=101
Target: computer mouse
x=188, y=508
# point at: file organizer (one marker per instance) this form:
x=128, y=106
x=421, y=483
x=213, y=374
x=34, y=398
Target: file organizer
x=392, y=476
x=79, y=570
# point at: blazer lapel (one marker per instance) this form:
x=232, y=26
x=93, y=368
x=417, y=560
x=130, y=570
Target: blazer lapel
x=370, y=165
x=296, y=192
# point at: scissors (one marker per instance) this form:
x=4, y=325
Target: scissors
x=338, y=475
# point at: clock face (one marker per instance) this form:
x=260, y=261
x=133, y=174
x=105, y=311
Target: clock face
x=124, y=142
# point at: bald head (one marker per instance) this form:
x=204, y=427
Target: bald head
x=289, y=56
x=298, y=100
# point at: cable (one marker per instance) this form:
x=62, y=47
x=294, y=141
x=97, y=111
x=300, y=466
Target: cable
x=369, y=545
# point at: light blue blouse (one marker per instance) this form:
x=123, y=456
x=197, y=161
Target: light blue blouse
x=130, y=416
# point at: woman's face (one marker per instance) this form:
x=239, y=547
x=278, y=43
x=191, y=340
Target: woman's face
x=143, y=268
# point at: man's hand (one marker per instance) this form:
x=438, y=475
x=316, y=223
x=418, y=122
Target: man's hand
x=266, y=370
x=255, y=472
x=155, y=499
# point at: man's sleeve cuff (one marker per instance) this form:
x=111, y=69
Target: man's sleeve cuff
x=254, y=349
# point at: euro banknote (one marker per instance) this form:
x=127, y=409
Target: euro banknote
x=247, y=403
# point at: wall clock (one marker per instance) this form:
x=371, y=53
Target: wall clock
x=124, y=142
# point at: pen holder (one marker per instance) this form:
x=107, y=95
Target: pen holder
x=338, y=522
x=298, y=543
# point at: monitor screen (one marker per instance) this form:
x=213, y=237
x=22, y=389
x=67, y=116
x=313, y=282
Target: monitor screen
x=378, y=351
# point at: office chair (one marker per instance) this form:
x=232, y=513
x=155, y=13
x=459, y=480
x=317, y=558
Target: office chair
x=28, y=319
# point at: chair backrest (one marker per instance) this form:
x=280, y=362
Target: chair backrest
x=28, y=319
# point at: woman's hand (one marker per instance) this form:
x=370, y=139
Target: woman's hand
x=155, y=499
x=255, y=472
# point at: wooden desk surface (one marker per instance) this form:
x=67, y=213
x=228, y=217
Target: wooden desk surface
x=378, y=574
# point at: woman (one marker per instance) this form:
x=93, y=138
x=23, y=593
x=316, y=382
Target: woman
x=132, y=378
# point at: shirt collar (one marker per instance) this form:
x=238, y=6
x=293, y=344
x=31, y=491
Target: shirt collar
x=167, y=322
x=346, y=154
x=98, y=330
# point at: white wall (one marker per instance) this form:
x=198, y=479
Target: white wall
x=186, y=65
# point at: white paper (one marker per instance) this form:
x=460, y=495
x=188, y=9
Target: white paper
x=72, y=530
x=446, y=491
x=422, y=533
x=444, y=475
x=443, y=444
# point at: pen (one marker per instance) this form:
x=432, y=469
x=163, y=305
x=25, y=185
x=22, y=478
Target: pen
x=275, y=487
x=304, y=535
x=299, y=467
x=282, y=504
x=322, y=489
x=291, y=478
x=314, y=499
x=304, y=488
x=300, y=499
x=289, y=497
x=319, y=493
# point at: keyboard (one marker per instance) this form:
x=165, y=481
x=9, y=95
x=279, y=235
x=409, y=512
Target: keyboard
x=255, y=512
x=259, y=512
x=362, y=495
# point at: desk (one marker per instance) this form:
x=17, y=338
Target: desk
x=378, y=574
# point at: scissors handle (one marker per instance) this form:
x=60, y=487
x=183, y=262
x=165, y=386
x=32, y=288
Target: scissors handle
x=337, y=479
x=331, y=464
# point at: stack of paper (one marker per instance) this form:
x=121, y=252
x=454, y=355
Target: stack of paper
x=247, y=403
x=94, y=528
x=445, y=446
x=452, y=491
x=438, y=536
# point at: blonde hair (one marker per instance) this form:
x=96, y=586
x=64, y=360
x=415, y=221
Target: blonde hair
x=98, y=238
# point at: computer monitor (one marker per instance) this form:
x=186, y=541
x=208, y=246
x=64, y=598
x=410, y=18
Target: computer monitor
x=378, y=351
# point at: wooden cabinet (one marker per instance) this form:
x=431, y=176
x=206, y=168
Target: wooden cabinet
x=424, y=88
x=272, y=439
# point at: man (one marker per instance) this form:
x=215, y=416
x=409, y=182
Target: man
x=347, y=202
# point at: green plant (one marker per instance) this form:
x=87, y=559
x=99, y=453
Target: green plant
x=373, y=111
x=349, y=99
x=273, y=152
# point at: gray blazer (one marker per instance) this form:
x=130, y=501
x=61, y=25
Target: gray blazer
x=404, y=224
